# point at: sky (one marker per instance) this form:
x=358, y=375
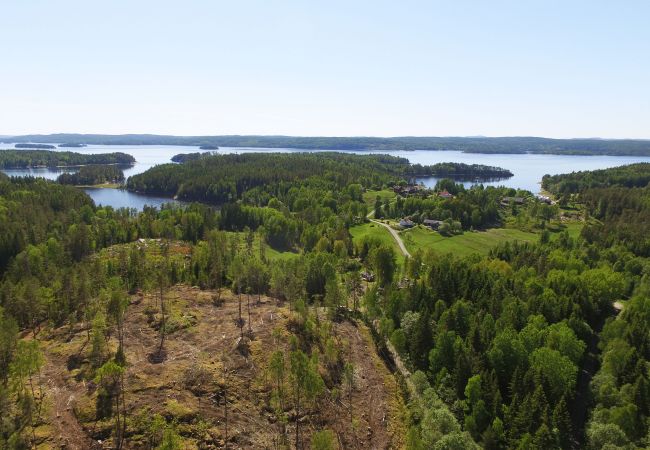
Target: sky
x=566, y=68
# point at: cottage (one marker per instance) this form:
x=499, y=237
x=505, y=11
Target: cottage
x=445, y=194
x=431, y=223
x=545, y=199
x=406, y=223
x=409, y=189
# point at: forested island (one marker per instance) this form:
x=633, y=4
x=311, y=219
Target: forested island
x=279, y=306
x=209, y=147
x=221, y=178
x=459, y=171
x=93, y=175
x=36, y=146
x=71, y=145
x=631, y=147
x=185, y=157
x=21, y=159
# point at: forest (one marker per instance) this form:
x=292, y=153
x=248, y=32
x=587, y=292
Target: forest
x=539, y=345
x=21, y=159
x=464, y=144
x=92, y=175
x=633, y=175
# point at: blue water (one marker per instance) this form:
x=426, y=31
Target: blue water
x=528, y=169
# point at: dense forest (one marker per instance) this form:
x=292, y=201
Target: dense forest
x=633, y=175
x=464, y=144
x=91, y=175
x=20, y=159
x=536, y=346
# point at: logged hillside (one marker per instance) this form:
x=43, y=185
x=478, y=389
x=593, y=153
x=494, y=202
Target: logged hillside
x=207, y=370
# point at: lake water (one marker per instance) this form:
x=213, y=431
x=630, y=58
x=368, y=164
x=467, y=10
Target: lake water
x=528, y=169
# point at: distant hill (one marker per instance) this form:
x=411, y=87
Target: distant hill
x=627, y=147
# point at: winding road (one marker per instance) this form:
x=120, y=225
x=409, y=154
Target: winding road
x=395, y=235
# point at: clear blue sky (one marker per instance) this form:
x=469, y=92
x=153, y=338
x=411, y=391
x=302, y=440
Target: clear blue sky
x=386, y=68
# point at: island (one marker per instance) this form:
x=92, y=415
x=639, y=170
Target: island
x=23, y=159
x=71, y=145
x=209, y=147
x=460, y=171
x=107, y=175
x=36, y=146
x=185, y=157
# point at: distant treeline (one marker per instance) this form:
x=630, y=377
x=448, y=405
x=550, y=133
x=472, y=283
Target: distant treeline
x=20, y=159
x=36, y=146
x=90, y=175
x=464, y=144
x=633, y=175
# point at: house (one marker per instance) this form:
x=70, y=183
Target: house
x=406, y=223
x=431, y=223
x=545, y=199
x=409, y=189
x=445, y=194
x=506, y=201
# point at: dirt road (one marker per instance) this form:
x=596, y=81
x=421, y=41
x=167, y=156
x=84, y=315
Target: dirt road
x=395, y=235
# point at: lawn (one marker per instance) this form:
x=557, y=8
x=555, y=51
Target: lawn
x=274, y=254
x=377, y=231
x=369, y=197
x=574, y=229
x=464, y=244
x=270, y=252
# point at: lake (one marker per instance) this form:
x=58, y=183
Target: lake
x=528, y=169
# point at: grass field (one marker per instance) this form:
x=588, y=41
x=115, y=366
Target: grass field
x=376, y=231
x=574, y=229
x=369, y=197
x=270, y=252
x=465, y=244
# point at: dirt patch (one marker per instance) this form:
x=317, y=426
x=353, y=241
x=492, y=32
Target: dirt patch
x=61, y=394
